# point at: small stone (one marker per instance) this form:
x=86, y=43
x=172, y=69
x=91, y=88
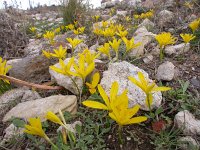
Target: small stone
x=165, y=17
x=195, y=82
x=80, y=48
x=10, y=132
x=121, y=13
x=39, y=107
x=166, y=71
x=147, y=23
x=177, y=49
x=186, y=121
x=187, y=141
x=148, y=59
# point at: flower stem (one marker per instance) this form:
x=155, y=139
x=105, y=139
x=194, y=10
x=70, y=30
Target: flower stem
x=120, y=134
x=48, y=140
x=161, y=53
x=79, y=93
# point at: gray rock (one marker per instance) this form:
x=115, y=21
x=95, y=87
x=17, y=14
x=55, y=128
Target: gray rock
x=147, y=23
x=143, y=36
x=148, y=59
x=13, y=97
x=80, y=48
x=133, y=3
x=65, y=81
x=120, y=72
x=31, y=69
x=10, y=132
x=165, y=17
x=39, y=107
x=187, y=122
x=177, y=49
x=108, y=4
x=166, y=71
x=122, y=13
x=188, y=143
x=105, y=17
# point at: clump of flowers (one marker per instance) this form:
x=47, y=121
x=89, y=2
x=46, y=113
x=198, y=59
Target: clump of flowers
x=33, y=29
x=148, y=14
x=163, y=40
x=105, y=49
x=59, y=53
x=4, y=68
x=49, y=35
x=96, y=18
x=89, y=57
x=117, y=106
x=79, y=30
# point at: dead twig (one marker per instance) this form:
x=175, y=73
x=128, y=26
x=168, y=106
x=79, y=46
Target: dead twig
x=32, y=85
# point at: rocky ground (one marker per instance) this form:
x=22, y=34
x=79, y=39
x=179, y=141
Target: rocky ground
x=176, y=120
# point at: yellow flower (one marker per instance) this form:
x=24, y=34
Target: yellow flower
x=75, y=23
x=115, y=44
x=70, y=27
x=35, y=127
x=146, y=86
x=4, y=68
x=89, y=57
x=187, y=37
x=97, y=31
x=96, y=18
x=57, y=30
x=104, y=24
x=165, y=39
x=124, y=115
x=109, y=32
x=110, y=102
x=74, y=42
x=95, y=80
x=127, y=18
x=130, y=44
x=33, y=29
x=120, y=27
x=122, y=33
x=65, y=68
x=76, y=32
x=194, y=25
x=81, y=70
x=105, y=49
x=50, y=36
x=53, y=118
x=47, y=54
x=60, y=53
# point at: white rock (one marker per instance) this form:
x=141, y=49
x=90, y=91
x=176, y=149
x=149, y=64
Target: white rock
x=166, y=71
x=120, y=72
x=133, y=3
x=39, y=107
x=80, y=48
x=10, y=132
x=15, y=96
x=65, y=81
x=148, y=59
x=122, y=13
x=105, y=17
x=188, y=140
x=143, y=36
x=177, y=49
x=147, y=23
x=59, y=20
x=187, y=122
x=165, y=17
x=107, y=5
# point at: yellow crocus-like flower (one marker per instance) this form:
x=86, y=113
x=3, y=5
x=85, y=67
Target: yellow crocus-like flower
x=74, y=42
x=127, y=18
x=122, y=33
x=105, y=49
x=59, y=53
x=95, y=80
x=187, y=37
x=4, y=68
x=53, y=118
x=81, y=70
x=109, y=32
x=64, y=69
x=104, y=24
x=147, y=87
x=164, y=39
x=130, y=44
x=194, y=25
x=75, y=23
x=97, y=31
x=115, y=45
x=81, y=30
x=35, y=128
x=47, y=54
x=76, y=32
x=57, y=30
x=122, y=114
x=50, y=36
x=110, y=101
x=89, y=57
x=70, y=27
x=33, y=29
x=119, y=27
x=96, y=18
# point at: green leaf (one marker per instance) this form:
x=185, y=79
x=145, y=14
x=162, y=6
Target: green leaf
x=18, y=122
x=159, y=110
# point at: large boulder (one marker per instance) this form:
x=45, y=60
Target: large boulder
x=13, y=97
x=39, y=107
x=120, y=72
x=31, y=69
